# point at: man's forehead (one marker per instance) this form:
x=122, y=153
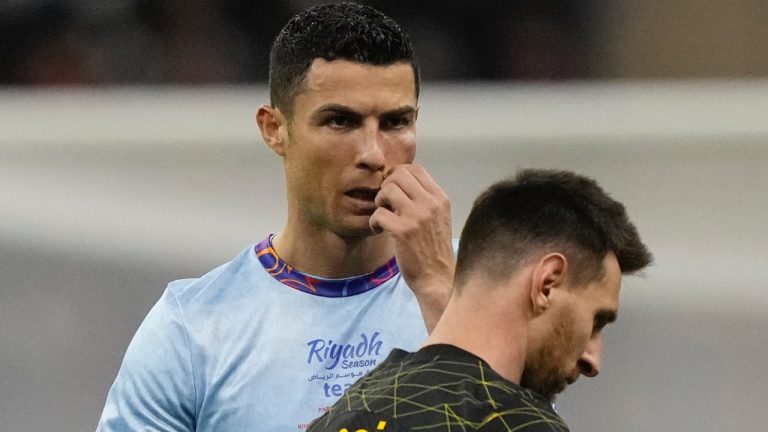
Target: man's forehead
x=347, y=77
x=363, y=89
x=611, y=284
x=613, y=275
x=606, y=289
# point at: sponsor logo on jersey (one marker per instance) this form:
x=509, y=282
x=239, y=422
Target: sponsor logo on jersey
x=363, y=353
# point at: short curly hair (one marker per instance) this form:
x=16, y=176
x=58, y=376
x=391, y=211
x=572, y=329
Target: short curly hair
x=346, y=31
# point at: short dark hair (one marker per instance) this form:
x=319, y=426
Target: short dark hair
x=346, y=31
x=541, y=210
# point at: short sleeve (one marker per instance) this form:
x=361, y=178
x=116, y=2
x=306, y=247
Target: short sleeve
x=155, y=388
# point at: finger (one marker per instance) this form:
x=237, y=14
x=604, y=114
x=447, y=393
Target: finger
x=424, y=178
x=389, y=171
x=382, y=219
x=407, y=182
x=392, y=197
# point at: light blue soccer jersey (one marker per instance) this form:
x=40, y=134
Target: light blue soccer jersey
x=256, y=346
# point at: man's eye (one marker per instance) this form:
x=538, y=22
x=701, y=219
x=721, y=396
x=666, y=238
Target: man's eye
x=341, y=122
x=395, y=123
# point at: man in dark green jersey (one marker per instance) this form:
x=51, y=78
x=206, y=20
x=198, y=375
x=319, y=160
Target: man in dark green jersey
x=539, y=269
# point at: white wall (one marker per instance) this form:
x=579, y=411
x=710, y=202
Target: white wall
x=107, y=195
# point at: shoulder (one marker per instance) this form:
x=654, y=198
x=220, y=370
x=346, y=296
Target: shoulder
x=521, y=407
x=227, y=281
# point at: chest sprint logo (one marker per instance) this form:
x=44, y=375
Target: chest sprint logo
x=347, y=356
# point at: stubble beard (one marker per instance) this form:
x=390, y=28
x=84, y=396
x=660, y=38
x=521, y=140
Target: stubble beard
x=350, y=231
x=544, y=370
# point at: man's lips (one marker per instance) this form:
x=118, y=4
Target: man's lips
x=363, y=194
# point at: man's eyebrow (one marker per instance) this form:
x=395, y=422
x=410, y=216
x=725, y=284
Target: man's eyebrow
x=605, y=316
x=338, y=109
x=399, y=112
x=342, y=109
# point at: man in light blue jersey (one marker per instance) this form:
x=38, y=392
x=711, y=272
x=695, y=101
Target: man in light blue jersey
x=270, y=340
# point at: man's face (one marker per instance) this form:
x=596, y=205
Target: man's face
x=567, y=343
x=351, y=123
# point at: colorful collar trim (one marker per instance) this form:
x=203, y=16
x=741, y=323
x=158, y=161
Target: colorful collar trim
x=286, y=275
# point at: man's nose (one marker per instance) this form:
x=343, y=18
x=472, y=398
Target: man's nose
x=371, y=151
x=589, y=363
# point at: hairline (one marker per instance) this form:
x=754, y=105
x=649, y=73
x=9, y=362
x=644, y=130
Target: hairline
x=581, y=276
x=302, y=82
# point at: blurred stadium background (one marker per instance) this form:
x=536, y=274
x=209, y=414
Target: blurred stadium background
x=129, y=158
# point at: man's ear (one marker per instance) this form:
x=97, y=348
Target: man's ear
x=549, y=274
x=273, y=126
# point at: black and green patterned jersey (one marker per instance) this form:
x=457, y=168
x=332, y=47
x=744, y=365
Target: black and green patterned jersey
x=438, y=388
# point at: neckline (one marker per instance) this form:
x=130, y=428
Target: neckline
x=433, y=352
x=319, y=286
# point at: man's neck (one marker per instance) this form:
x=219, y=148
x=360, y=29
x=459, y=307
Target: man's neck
x=486, y=328
x=323, y=253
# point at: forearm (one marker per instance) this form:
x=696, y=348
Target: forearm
x=432, y=295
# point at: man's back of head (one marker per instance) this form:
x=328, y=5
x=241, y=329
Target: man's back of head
x=547, y=209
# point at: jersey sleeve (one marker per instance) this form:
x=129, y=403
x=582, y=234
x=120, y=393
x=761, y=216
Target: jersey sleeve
x=530, y=419
x=155, y=387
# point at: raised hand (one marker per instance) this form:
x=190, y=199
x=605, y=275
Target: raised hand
x=416, y=212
